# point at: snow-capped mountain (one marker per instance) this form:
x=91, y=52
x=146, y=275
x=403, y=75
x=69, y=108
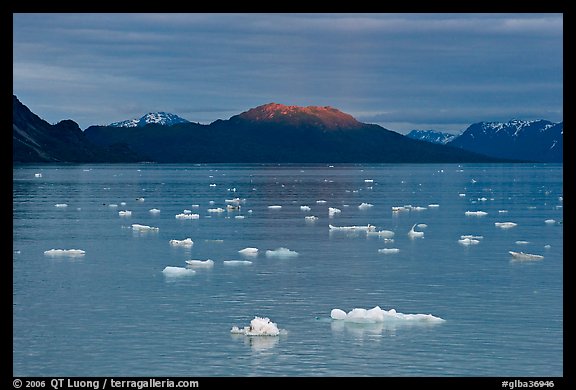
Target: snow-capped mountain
x=539, y=140
x=160, y=118
x=434, y=136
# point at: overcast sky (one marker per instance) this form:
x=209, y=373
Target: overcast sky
x=402, y=71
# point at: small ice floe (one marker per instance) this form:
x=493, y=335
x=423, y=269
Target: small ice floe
x=417, y=208
x=482, y=199
x=502, y=211
x=525, y=256
x=547, y=246
x=368, y=181
x=367, y=228
x=187, y=216
x=234, y=202
x=388, y=251
x=381, y=233
x=37, y=175
x=461, y=195
x=397, y=209
x=237, y=262
x=239, y=217
x=333, y=210
x=421, y=226
x=433, y=205
x=471, y=237
x=365, y=206
x=522, y=242
x=200, y=263
x=177, y=271
x=125, y=213
x=505, y=225
x=212, y=185
x=211, y=202
x=144, y=228
x=113, y=205
x=282, y=253
x=377, y=314
x=65, y=252
x=195, y=206
x=122, y=203
x=468, y=241
x=60, y=205
x=275, y=207
x=475, y=213
x=250, y=252
x=305, y=208
x=186, y=211
x=216, y=210
x=154, y=211
x=232, y=207
x=140, y=199
x=187, y=242
x=258, y=327
x=414, y=234
x=550, y=221
x=320, y=201
x=311, y=218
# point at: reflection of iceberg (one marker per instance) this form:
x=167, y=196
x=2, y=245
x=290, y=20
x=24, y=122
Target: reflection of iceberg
x=65, y=252
x=377, y=314
x=258, y=344
x=281, y=253
x=177, y=271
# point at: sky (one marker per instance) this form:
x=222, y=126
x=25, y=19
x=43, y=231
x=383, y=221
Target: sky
x=401, y=71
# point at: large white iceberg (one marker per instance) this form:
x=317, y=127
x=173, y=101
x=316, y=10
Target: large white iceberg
x=377, y=314
x=177, y=271
x=259, y=326
x=283, y=253
x=65, y=252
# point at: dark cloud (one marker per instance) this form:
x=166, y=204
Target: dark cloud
x=405, y=69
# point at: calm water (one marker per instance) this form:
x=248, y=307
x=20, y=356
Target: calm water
x=112, y=312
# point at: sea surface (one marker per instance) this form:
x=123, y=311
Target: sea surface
x=112, y=311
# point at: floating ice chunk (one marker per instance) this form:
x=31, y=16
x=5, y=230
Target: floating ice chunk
x=417, y=208
x=140, y=199
x=381, y=233
x=251, y=252
x=547, y=246
x=258, y=327
x=125, y=213
x=239, y=217
x=421, y=226
x=305, y=208
x=333, y=210
x=231, y=207
x=377, y=314
x=275, y=207
x=505, y=225
x=200, y=263
x=471, y=237
x=476, y=213
x=320, y=201
x=462, y=195
x=113, y=205
x=368, y=181
x=122, y=203
x=388, y=251
x=187, y=216
x=283, y=253
x=550, y=221
x=367, y=228
x=65, y=252
x=525, y=256
x=60, y=205
x=195, y=206
x=414, y=234
x=154, y=211
x=502, y=211
x=397, y=209
x=468, y=241
x=311, y=218
x=212, y=185
x=144, y=228
x=433, y=205
x=211, y=202
x=365, y=206
x=37, y=175
x=216, y=210
x=234, y=202
x=522, y=242
x=186, y=211
x=187, y=242
x=483, y=199
x=177, y=271
x=237, y=262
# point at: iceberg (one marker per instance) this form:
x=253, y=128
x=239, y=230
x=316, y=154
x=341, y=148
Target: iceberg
x=258, y=327
x=113, y=205
x=476, y=213
x=305, y=208
x=251, y=252
x=433, y=205
x=154, y=211
x=468, y=241
x=200, y=263
x=414, y=234
x=550, y=221
x=381, y=233
x=37, y=175
x=216, y=210
x=368, y=181
x=125, y=213
x=275, y=207
x=144, y=228
x=310, y=218
x=65, y=252
x=237, y=262
x=177, y=271
x=187, y=216
x=333, y=210
x=187, y=242
x=377, y=314
x=367, y=228
x=365, y=206
x=321, y=201
x=470, y=236
x=525, y=256
x=505, y=225
x=61, y=205
x=388, y=251
x=282, y=253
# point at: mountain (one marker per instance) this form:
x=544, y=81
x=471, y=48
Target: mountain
x=276, y=133
x=538, y=140
x=35, y=140
x=160, y=118
x=433, y=136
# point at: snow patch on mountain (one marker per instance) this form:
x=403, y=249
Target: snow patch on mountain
x=160, y=118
